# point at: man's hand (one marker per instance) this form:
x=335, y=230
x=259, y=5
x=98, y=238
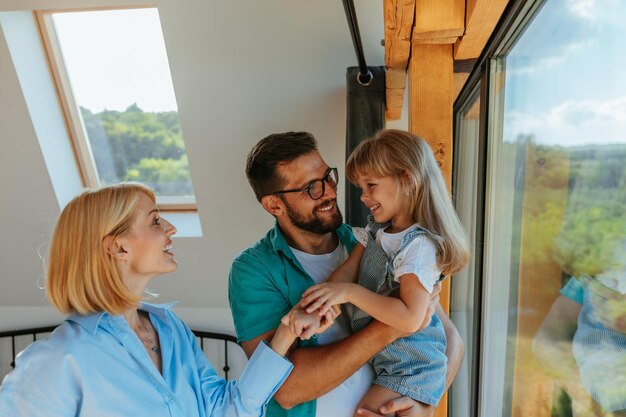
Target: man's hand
x=402, y=407
x=432, y=305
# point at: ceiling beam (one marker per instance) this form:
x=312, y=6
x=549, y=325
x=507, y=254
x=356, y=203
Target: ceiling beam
x=480, y=21
x=435, y=19
x=399, y=18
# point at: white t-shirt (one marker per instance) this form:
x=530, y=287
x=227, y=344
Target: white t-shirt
x=419, y=257
x=343, y=400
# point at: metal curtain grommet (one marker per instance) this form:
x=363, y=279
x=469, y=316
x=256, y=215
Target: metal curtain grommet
x=370, y=78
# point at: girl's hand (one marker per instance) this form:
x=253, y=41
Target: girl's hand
x=302, y=324
x=322, y=297
x=329, y=318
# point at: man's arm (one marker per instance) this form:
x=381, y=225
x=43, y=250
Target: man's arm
x=319, y=369
x=454, y=345
x=552, y=345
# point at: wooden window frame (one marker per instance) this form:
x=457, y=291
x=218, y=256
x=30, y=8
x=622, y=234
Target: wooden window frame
x=69, y=108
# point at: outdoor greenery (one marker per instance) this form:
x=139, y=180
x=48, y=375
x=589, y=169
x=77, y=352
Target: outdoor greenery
x=134, y=145
x=573, y=204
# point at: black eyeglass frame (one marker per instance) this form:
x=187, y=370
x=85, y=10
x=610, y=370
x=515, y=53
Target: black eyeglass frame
x=308, y=188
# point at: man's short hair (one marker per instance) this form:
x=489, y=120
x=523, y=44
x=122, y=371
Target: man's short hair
x=272, y=151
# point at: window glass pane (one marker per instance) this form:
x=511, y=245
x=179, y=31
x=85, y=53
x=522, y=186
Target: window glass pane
x=462, y=309
x=556, y=219
x=118, y=69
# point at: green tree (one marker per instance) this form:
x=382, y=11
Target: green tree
x=134, y=145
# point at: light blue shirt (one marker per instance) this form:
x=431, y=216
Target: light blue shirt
x=96, y=366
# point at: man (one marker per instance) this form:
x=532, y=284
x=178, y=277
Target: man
x=580, y=344
x=309, y=241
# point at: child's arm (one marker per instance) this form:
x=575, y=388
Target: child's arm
x=349, y=270
x=405, y=313
x=342, y=278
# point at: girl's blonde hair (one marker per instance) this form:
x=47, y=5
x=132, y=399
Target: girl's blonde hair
x=411, y=162
x=82, y=276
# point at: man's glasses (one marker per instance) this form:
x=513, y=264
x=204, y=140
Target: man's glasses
x=316, y=188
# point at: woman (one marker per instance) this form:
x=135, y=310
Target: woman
x=115, y=355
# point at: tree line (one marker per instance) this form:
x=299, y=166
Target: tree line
x=134, y=145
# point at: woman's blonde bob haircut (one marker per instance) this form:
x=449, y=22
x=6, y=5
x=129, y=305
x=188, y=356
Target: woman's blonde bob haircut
x=82, y=276
x=411, y=162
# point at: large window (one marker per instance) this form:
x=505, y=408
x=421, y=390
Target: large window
x=553, y=302
x=465, y=284
x=113, y=79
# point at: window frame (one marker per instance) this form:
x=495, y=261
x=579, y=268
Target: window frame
x=515, y=18
x=71, y=117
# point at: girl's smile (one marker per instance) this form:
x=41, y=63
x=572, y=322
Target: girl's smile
x=382, y=197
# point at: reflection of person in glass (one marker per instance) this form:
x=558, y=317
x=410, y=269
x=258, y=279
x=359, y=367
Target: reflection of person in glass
x=582, y=341
x=115, y=355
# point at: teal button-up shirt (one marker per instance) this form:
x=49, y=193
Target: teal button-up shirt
x=265, y=282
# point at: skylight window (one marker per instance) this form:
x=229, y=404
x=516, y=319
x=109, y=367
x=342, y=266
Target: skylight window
x=112, y=74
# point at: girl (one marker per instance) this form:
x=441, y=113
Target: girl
x=412, y=240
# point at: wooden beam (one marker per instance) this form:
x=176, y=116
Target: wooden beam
x=431, y=99
x=458, y=82
x=439, y=19
x=395, y=80
x=462, y=70
x=395, y=101
x=482, y=17
x=451, y=39
x=399, y=16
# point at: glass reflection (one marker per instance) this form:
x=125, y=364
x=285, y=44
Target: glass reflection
x=558, y=224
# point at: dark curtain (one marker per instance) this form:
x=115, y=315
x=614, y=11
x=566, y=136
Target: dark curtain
x=365, y=117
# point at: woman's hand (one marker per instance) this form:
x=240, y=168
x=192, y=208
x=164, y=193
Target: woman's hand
x=302, y=324
x=329, y=318
x=322, y=297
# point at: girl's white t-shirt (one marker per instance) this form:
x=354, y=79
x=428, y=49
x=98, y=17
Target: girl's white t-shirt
x=419, y=257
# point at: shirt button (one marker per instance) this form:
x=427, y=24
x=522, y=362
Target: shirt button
x=169, y=400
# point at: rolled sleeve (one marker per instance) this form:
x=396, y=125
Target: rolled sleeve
x=573, y=290
x=264, y=374
x=419, y=257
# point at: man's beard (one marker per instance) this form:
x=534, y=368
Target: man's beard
x=314, y=223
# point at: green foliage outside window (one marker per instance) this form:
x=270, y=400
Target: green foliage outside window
x=134, y=145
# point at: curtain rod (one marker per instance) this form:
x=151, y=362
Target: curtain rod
x=365, y=76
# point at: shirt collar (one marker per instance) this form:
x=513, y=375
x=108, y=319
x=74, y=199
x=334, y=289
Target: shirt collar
x=90, y=322
x=279, y=243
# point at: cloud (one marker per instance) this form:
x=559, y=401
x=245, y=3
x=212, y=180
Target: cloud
x=583, y=9
x=549, y=58
x=572, y=123
x=596, y=12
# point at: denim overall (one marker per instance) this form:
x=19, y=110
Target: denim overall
x=413, y=366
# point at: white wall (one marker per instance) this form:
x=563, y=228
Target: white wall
x=241, y=70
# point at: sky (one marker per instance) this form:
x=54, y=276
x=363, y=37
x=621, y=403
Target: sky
x=564, y=77
x=116, y=58
x=564, y=82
